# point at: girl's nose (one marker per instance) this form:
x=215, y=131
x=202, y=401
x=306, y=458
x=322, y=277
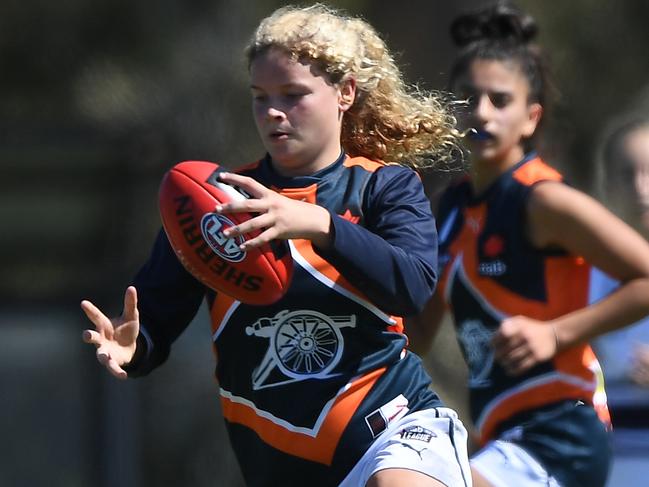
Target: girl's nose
x=481, y=107
x=274, y=113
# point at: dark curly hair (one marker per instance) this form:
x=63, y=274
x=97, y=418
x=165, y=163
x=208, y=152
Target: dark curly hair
x=503, y=32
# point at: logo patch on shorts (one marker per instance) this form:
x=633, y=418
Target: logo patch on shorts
x=417, y=433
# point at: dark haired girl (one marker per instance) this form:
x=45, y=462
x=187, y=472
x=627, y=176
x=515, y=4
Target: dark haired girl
x=516, y=246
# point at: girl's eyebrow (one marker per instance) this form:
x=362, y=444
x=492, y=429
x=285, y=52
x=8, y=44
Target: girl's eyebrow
x=291, y=84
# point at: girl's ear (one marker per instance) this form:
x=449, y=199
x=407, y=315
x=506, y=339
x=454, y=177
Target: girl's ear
x=534, y=114
x=346, y=94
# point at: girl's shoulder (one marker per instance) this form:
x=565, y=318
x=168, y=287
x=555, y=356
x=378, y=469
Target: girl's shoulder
x=534, y=171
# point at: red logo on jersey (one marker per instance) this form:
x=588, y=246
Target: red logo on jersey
x=348, y=216
x=493, y=246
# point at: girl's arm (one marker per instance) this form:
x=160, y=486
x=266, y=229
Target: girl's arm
x=561, y=217
x=392, y=258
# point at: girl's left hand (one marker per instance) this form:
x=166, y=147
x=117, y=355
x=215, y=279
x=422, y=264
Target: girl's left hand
x=278, y=217
x=520, y=343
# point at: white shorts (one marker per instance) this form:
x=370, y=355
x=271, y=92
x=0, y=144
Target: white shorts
x=504, y=464
x=433, y=442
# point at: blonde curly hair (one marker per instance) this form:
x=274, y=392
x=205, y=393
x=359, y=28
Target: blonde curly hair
x=389, y=120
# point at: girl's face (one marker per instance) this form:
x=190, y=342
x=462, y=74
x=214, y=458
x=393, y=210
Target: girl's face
x=298, y=112
x=499, y=111
x=632, y=190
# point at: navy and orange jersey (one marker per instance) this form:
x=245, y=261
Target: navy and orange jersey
x=491, y=271
x=307, y=383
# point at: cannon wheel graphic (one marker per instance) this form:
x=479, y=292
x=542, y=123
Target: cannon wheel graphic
x=306, y=343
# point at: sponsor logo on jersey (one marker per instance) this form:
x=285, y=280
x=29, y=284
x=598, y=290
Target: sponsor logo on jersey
x=417, y=433
x=492, y=268
x=212, y=226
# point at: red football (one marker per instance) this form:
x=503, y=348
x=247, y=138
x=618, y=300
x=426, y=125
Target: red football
x=188, y=196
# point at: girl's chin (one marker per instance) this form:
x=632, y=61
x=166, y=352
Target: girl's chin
x=486, y=156
x=282, y=154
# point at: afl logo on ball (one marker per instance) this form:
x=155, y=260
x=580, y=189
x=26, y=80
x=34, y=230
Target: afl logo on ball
x=212, y=226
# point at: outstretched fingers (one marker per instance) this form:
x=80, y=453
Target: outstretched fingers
x=91, y=337
x=99, y=319
x=130, y=312
x=104, y=358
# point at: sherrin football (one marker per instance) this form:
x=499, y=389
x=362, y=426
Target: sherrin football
x=188, y=196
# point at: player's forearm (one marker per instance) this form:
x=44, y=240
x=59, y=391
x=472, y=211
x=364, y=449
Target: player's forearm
x=401, y=280
x=626, y=305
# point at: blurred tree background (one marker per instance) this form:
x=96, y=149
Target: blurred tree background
x=97, y=100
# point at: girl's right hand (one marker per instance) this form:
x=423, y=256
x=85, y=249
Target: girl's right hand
x=278, y=217
x=116, y=338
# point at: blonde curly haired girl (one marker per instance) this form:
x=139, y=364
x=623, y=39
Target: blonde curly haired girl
x=318, y=387
x=389, y=120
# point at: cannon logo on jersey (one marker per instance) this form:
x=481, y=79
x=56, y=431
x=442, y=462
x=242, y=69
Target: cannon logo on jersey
x=303, y=344
x=212, y=226
x=476, y=341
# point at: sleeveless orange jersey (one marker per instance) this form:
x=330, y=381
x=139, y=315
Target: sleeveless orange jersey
x=491, y=272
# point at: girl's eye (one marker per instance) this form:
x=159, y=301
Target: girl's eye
x=499, y=100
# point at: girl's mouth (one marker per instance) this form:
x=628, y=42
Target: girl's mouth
x=479, y=135
x=278, y=135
